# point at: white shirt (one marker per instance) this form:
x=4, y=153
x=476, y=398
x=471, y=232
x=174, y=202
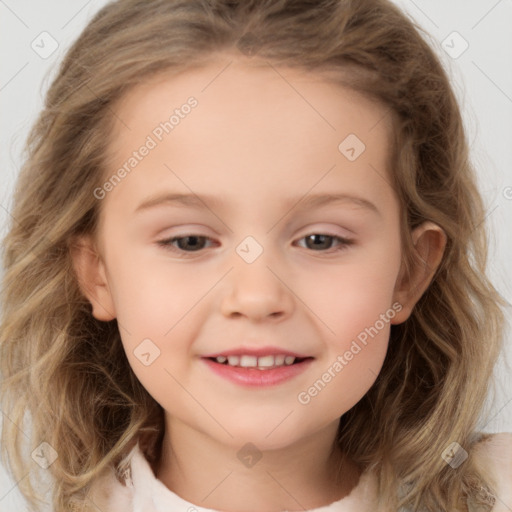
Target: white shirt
x=143, y=492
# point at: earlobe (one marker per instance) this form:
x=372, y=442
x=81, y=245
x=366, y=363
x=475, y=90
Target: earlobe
x=429, y=244
x=92, y=279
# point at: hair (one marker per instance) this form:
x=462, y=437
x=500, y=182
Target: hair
x=68, y=373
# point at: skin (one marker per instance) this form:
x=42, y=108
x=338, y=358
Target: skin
x=258, y=141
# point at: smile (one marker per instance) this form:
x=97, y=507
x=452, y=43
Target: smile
x=257, y=371
x=261, y=363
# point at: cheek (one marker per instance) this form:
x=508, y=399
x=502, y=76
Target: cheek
x=353, y=295
x=355, y=304
x=150, y=296
x=156, y=313
x=357, y=318
x=157, y=307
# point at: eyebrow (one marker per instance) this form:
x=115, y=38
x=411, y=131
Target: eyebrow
x=204, y=202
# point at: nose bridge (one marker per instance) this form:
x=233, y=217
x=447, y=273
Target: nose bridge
x=254, y=289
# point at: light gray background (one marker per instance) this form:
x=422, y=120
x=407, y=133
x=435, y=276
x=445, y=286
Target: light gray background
x=482, y=76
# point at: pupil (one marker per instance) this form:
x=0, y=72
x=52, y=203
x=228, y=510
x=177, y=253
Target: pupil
x=320, y=241
x=194, y=245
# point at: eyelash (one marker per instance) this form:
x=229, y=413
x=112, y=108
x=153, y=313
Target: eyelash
x=344, y=243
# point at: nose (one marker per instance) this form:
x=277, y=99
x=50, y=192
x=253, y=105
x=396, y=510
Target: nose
x=257, y=291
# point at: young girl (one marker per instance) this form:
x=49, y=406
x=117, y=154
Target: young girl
x=246, y=270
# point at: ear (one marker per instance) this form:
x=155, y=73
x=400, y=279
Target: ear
x=92, y=279
x=429, y=243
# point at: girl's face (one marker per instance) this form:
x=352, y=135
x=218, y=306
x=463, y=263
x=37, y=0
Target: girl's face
x=247, y=214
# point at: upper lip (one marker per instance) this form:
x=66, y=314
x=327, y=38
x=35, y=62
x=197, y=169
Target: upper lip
x=257, y=352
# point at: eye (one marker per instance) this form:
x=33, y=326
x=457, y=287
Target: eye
x=317, y=242
x=187, y=243
x=322, y=241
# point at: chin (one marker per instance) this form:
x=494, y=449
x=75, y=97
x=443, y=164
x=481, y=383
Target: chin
x=265, y=434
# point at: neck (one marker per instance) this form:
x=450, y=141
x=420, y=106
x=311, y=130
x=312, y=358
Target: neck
x=308, y=474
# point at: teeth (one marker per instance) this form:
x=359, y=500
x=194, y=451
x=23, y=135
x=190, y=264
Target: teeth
x=233, y=360
x=266, y=361
x=279, y=360
x=248, y=361
x=288, y=360
x=262, y=363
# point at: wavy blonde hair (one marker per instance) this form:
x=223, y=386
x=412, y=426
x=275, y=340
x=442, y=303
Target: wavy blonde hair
x=69, y=371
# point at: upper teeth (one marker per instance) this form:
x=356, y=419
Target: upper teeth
x=263, y=362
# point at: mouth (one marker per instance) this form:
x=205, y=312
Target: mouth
x=257, y=370
x=265, y=362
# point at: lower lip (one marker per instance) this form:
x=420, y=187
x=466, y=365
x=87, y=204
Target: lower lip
x=258, y=378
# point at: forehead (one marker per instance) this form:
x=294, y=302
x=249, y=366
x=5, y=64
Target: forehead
x=237, y=88
x=255, y=126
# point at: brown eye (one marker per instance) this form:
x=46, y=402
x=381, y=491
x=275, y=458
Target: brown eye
x=188, y=243
x=317, y=242
x=324, y=242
